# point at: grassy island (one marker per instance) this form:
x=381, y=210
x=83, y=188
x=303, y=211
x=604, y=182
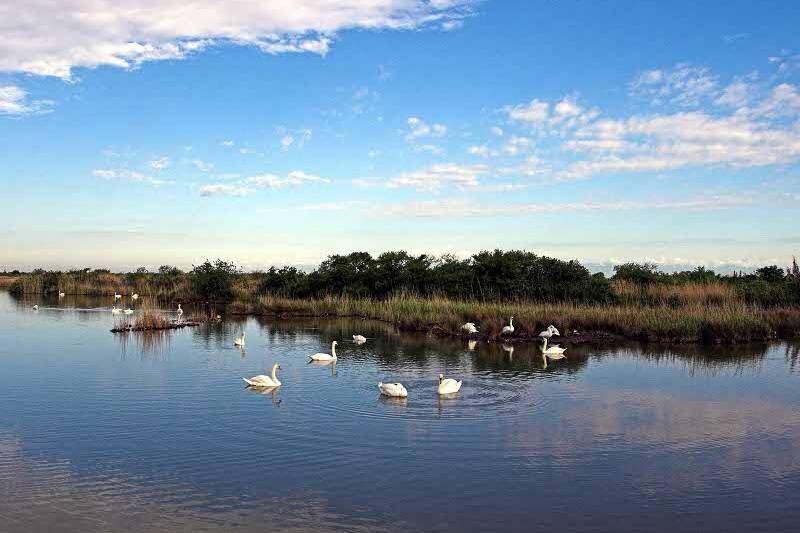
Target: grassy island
x=439, y=294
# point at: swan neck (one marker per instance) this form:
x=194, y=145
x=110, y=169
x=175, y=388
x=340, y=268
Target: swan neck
x=274, y=372
x=511, y=322
x=333, y=350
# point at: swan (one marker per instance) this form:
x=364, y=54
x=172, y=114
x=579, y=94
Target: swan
x=179, y=311
x=115, y=310
x=117, y=296
x=359, y=339
x=128, y=311
x=135, y=296
x=509, y=329
x=469, y=327
x=395, y=390
x=61, y=294
x=448, y=386
x=35, y=307
x=239, y=341
x=325, y=356
x=265, y=381
x=554, y=352
x=549, y=332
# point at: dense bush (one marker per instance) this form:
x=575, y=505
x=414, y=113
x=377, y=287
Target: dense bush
x=213, y=281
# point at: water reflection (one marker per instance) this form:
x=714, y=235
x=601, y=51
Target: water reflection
x=664, y=436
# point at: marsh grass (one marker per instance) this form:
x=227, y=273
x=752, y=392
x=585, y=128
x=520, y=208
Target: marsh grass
x=730, y=321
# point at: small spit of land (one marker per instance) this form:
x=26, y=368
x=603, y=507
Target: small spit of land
x=439, y=294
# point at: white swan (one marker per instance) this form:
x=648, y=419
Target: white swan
x=179, y=311
x=359, y=339
x=549, y=332
x=35, y=307
x=469, y=327
x=554, y=352
x=128, y=311
x=115, y=310
x=395, y=390
x=509, y=329
x=239, y=341
x=117, y=296
x=135, y=296
x=61, y=294
x=325, y=356
x=448, y=386
x=265, y=381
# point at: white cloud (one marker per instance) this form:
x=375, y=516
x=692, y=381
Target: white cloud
x=418, y=128
x=481, y=151
x=684, y=85
x=737, y=94
x=455, y=208
x=53, y=37
x=159, y=164
x=497, y=130
x=295, y=138
x=374, y=153
x=14, y=101
x=274, y=182
x=128, y=175
x=431, y=148
x=228, y=142
x=516, y=145
x=433, y=178
x=535, y=112
x=225, y=190
x=664, y=142
x=203, y=166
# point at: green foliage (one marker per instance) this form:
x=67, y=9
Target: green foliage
x=641, y=273
x=213, y=281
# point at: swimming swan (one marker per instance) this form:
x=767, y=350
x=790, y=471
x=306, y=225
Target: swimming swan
x=265, y=381
x=554, y=352
x=469, y=327
x=395, y=390
x=325, y=356
x=359, y=339
x=117, y=296
x=61, y=294
x=179, y=311
x=128, y=311
x=448, y=386
x=35, y=307
x=239, y=341
x=115, y=310
x=135, y=296
x=509, y=329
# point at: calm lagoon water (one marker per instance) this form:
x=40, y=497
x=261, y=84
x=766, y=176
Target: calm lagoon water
x=104, y=432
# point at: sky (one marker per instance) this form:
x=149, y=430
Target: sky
x=146, y=132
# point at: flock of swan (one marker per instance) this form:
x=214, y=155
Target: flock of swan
x=395, y=390
x=445, y=386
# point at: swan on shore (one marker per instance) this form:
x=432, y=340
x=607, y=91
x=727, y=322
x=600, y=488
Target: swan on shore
x=448, y=386
x=61, y=294
x=395, y=390
x=265, y=381
x=239, y=341
x=509, y=329
x=135, y=296
x=117, y=296
x=325, y=356
x=549, y=332
x=469, y=327
x=359, y=339
x=179, y=311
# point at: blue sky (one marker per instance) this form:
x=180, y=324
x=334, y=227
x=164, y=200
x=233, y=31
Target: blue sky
x=278, y=134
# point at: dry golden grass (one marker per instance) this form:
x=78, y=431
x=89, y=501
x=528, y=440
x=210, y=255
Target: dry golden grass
x=732, y=322
x=7, y=281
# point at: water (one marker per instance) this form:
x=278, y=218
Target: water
x=104, y=432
